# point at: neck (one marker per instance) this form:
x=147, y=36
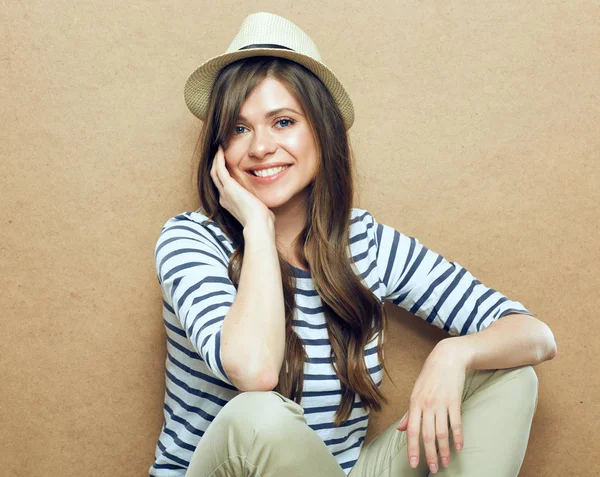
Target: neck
x=290, y=219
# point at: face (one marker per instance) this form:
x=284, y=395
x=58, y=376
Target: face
x=263, y=139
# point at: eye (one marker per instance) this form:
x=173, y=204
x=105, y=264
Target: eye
x=289, y=121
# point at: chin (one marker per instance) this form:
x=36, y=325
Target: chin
x=274, y=204
x=273, y=201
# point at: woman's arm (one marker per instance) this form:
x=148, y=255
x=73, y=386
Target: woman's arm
x=513, y=340
x=253, y=334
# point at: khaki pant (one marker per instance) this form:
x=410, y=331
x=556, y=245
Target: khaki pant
x=497, y=410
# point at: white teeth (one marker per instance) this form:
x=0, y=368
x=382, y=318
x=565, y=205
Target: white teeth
x=269, y=172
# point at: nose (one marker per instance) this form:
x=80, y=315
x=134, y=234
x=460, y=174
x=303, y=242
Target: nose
x=262, y=143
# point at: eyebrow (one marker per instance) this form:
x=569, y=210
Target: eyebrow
x=272, y=113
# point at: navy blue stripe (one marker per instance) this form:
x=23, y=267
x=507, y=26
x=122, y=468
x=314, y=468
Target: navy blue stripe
x=205, y=354
x=195, y=287
x=178, y=441
x=419, y=303
x=210, y=295
x=190, y=353
x=218, y=355
x=314, y=410
x=415, y=266
x=359, y=218
x=188, y=427
x=162, y=243
x=358, y=443
x=392, y=256
x=309, y=293
x=168, y=307
x=299, y=273
x=340, y=440
x=475, y=311
x=316, y=341
x=179, y=227
x=187, y=407
x=516, y=310
x=331, y=425
x=437, y=262
x=203, y=376
x=168, y=466
x=463, y=299
x=366, y=273
x=212, y=321
x=358, y=237
x=174, y=329
x=184, y=463
x=181, y=251
x=491, y=309
x=349, y=464
x=305, y=324
x=378, y=235
x=218, y=237
x=310, y=311
x=198, y=376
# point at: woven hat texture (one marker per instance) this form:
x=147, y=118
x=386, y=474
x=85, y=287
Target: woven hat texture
x=267, y=34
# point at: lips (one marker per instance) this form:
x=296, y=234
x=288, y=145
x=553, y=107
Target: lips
x=267, y=166
x=269, y=179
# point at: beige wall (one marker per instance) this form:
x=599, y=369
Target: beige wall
x=476, y=131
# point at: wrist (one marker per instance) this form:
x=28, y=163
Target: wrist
x=259, y=231
x=455, y=349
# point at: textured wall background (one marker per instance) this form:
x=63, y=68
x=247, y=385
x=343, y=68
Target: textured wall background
x=476, y=131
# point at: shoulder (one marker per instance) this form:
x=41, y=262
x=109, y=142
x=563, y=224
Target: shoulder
x=194, y=225
x=362, y=227
x=378, y=234
x=361, y=216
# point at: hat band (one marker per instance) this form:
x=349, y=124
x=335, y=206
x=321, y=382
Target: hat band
x=265, y=45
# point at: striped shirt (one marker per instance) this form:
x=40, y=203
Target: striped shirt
x=192, y=254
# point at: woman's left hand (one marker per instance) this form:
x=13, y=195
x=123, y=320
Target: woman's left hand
x=437, y=395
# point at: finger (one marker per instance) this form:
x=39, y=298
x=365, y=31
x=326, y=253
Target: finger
x=412, y=435
x=456, y=425
x=441, y=431
x=429, y=440
x=213, y=173
x=222, y=171
x=402, y=423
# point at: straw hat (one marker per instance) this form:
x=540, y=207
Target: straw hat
x=264, y=33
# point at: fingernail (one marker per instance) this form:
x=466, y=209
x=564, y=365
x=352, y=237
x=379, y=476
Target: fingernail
x=413, y=462
x=445, y=461
x=459, y=446
x=433, y=468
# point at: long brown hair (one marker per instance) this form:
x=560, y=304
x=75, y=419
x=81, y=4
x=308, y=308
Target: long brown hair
x=354, y=315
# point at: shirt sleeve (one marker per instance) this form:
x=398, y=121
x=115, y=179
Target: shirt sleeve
x=440, y=292
x=192, y=272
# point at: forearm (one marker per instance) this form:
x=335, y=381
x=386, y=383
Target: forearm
x=513, y=340
x=253, y=334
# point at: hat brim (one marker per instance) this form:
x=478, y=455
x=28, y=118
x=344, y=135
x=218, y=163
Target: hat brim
x=199, y=84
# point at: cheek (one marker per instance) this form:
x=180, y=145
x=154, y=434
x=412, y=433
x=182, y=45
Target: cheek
x=300, y=142
x=230, y=165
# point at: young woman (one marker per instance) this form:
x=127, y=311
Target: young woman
x=274, y=290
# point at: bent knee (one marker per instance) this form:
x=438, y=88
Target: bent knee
x=252, y=402
x=528, y=384
x=257, y=409
x=528, y=376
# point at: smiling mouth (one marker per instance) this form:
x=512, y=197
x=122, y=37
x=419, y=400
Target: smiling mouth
x=273, y=175
x=265, y=173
